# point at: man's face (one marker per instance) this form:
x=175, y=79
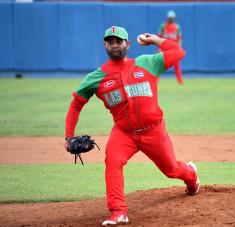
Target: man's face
x=116, y=48
x=171, y=19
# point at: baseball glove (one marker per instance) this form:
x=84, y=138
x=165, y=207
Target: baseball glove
x=80, y=144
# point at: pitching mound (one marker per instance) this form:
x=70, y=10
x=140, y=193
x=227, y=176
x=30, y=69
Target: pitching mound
x=214, y=205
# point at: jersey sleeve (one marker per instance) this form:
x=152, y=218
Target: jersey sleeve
x=179, y=35
x=161, y=28
x=172, y=53
x=73, y=113
x=179, y=30
x=158, y=63
x=153, y=63
x=89, y=84
x=81, y=96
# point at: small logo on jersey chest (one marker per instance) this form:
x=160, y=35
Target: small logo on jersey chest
x=109, y=83
x=138, y=74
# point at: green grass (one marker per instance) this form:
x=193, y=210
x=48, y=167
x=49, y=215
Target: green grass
x=37, y=107
x=68, y=182
x=199, y=107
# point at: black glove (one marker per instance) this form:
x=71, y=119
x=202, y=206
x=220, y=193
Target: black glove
x=79, y=144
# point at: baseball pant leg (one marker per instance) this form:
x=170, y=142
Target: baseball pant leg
x=120, y=148
x=158, y=147
x=178, y=73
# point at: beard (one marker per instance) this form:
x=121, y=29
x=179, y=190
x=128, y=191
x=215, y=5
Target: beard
x=116, y=55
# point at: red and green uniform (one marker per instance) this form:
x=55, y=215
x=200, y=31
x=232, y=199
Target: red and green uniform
x=172, y=31
x=128, y=88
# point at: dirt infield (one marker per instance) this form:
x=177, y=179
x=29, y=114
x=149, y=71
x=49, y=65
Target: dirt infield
x=214, y=206
x=51, y=150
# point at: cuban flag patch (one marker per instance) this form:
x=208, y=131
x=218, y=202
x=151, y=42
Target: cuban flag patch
x=138, y=74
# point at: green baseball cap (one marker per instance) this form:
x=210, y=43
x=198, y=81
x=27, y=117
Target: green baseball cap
x=116, y=31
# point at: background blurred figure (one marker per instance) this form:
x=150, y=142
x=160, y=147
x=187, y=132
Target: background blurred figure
x=171, y=30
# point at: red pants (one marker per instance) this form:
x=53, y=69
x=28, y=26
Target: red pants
x=178, y=73
x=121, y=146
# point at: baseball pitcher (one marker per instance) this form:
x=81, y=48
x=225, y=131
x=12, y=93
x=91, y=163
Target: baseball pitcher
x=128, y=88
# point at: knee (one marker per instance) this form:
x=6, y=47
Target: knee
x=114, y=161
x=114, y=156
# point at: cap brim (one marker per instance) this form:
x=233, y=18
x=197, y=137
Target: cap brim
x=107, y=37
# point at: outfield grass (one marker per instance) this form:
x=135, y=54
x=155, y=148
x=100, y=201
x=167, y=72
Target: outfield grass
x=67, y=182
x=37, y=107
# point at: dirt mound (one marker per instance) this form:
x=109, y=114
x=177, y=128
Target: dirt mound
x=214, y=205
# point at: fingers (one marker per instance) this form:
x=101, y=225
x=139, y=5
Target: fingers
x=148, y=34
x=66, y=146
x=68, y=142
x=145, y=39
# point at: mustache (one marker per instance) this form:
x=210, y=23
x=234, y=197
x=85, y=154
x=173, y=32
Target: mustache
x=116, y=53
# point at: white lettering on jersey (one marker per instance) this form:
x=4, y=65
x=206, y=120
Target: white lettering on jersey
x=113, y=97
x=140, y=89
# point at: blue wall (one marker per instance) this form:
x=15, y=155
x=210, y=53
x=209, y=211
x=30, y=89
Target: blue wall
x=215, y=36
x=6, y=37
x=68, y=36
x=80, y=36
x=36, y=44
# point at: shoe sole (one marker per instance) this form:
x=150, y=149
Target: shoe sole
x=197, y=181
x=119, y=223
x=123, y=222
